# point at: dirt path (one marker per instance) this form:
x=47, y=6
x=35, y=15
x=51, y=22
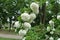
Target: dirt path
x=10, y=36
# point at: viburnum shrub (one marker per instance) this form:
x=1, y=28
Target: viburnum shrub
x=51, y=32
x=26, y=19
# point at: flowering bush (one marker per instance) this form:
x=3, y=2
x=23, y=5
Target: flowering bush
x=38, y=12
x=28, y=18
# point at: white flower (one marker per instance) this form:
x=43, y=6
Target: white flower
x=48, y=28
x=22, y=32
x=34, y=7
x=8, y=20
x=58, y=39
x=51, y=38
x=51, y=23
x=15, y=30
x=25, y=17
x=58, y=1
x=17, y=24
x=13, y=22
x=47, y=3
x=52, y=32
x=27, y=25
x=13, y=17
x=24, y=38
x=32, y=16
x=58, y=17
x=53, y=29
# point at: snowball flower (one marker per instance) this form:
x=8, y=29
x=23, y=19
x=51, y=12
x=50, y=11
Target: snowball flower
x=22, y=32
x=25, y=17
x=27, y=25
x=32, y=16
x=58, y=17
x=17, y=24
x=48, y=28
x=51, y=23
x=34, y=7
x=51, y=38
x=58, y=39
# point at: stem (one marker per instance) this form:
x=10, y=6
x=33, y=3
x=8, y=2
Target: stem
x=10, y=25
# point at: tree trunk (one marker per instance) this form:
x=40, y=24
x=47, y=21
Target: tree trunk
x=10, y=24
x=43, y=13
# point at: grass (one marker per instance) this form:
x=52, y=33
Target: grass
x=6, y=39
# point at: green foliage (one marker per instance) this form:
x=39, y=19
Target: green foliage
x=36, y=33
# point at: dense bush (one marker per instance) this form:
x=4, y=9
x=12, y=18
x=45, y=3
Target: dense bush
x=41, y=17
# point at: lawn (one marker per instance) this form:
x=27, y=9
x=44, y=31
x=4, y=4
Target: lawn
x=6, y=39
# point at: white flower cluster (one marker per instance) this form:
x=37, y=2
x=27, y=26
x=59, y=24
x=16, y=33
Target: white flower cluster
x=27, y=25
x=8, y=20
x=51, y=29
x=17, y=24
x=58, y=17
x=28, y=18
x=51, y=23
x=58, y=39
x=51, y=38
x=22, y=32
x=48, y=28
x=34, y=7
x=25, y=16
x=32, y=16
x=58, y=1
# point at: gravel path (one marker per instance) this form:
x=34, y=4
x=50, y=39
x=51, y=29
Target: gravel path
x=10, y=36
